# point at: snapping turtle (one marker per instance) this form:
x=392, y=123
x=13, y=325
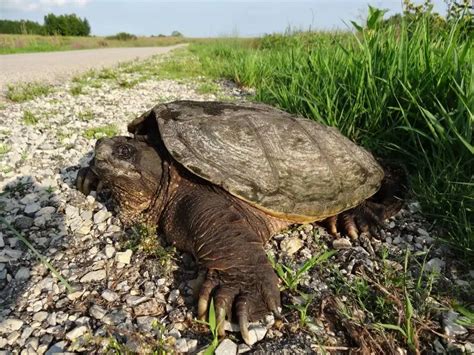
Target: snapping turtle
x=220, y=179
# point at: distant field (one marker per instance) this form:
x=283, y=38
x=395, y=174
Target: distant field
x=34, y=43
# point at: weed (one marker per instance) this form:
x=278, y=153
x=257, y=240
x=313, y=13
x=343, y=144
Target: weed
x=4, y=149
x=3, y=106
x=291, y=278
x=127, y=84
x=27, y=91
x=213, y=327
x=29, y=118
x=99, y=132
x=77, y=90
x=86, y=116
x=35, y=252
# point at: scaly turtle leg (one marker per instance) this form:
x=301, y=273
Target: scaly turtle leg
x=223, y=234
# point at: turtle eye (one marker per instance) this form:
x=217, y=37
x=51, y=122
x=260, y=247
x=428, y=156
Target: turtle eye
x=124, y=152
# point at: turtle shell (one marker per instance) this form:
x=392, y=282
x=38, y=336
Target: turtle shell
x=290, y=167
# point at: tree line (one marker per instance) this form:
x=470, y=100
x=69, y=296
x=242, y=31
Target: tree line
x=62, y=25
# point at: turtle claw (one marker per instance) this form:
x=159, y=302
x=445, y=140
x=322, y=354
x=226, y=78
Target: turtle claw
x=256, y=294
x=87, y=180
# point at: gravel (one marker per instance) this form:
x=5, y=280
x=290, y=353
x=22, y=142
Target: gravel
x=122, y=292
x=56, y=67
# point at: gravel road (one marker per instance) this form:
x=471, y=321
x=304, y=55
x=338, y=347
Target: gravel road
x=56, y=67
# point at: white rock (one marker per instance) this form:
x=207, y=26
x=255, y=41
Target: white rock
x=341, y=243
x=226, y=347
x=181, y=346
x=2, y=242
x=97, y=275
x=192, y=345
x=243, y=348
x=291, y=245
x=76, y=332
x=102, y=216
x=256, y=334
x=124, y=257
x=109, y=251
x=9, y=325
x=40, y=316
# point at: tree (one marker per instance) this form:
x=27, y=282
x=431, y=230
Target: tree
x=176, y=34
x=66, y=25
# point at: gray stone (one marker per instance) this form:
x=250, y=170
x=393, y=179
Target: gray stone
x=24, y=222
x=2, y=242
x=97, y=312
x=48, y=210
x=32, y=208
x=174, y=333
x=291, y=245
x=173, y=296
x=76, y=332
x=181, y=346
x=226, y=347
x=23, y=273
x=145, y=323
x=57, y=348
x=92, y=276
x=434, y=265
x=110, y=295
x=124, y=257
x=10, y=325
x=341, y=243
x=451, y=328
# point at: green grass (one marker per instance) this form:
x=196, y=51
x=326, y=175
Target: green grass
x=86, y=116
x=404, y=92
x=27, y=91
x=102, y=131
x=4, y=149
x=29, y=118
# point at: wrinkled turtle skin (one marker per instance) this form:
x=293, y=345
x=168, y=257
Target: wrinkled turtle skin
x=220, y=179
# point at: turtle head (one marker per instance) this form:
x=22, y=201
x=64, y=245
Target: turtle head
x=132, y=170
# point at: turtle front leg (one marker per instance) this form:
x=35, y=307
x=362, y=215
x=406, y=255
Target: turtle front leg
x=224, y=238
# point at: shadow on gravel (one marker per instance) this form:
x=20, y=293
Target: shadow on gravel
x=129, y=291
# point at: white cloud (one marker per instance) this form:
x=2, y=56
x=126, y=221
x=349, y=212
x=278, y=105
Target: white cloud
x=34, y=5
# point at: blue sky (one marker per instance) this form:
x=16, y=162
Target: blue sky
x=201, y=18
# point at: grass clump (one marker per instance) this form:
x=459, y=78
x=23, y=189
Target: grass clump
x=86, y=116
x=207, y=88
x=102, y=131
x=29, y=118
x=405, y=91
x=4, y=149
x=27, y=91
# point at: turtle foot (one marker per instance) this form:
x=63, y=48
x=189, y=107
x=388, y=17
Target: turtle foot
x=365, y=218
x=245, y=294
